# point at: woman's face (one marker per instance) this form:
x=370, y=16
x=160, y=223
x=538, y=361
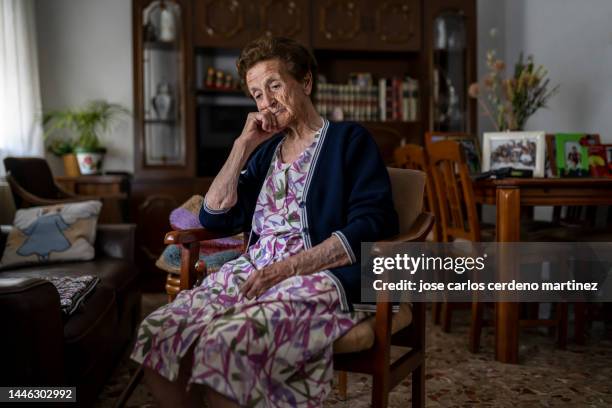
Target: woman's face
x=276, y=91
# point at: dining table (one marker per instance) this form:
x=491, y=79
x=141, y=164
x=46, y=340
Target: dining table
x=508, y=195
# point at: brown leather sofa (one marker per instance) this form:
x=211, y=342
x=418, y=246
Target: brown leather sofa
x=40, y=346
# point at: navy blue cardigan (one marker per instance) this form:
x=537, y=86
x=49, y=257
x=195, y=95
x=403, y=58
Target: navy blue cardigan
x=347, y=194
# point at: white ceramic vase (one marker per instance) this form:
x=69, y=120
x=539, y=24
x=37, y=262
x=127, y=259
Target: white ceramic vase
x=163, y=102
x=167, y=27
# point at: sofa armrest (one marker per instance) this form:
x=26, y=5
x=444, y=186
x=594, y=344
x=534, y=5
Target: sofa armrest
x=116, y=241
x=32, y=340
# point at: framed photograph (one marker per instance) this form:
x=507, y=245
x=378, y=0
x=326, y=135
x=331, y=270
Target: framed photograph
x=572, y=153
x=598, y=166
x=470, y=144
x=518, y=150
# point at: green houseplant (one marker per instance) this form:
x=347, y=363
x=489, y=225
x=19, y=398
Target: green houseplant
x=77, y=132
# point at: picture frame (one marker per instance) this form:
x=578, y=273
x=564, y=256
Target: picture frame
x=551, y=151
x=518, y=150
x=470, y=143
x=572, y=153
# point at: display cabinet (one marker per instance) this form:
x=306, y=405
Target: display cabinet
x=162, y=76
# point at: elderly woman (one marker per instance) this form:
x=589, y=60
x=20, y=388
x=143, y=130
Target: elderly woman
x=259, y=332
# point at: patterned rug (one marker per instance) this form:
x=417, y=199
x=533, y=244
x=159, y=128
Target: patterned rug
x=546, y=376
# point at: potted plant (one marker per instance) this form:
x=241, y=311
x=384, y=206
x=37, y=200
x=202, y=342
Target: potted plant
x=76, y=132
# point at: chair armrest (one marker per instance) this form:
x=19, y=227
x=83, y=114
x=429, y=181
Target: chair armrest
x=116, y=240
x=417, y=232
x=32, y=341
x=194, y=235
x=33, y=200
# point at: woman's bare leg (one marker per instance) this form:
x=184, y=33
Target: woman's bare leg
x=214, y=399
x=174, y=393
x=171, y=393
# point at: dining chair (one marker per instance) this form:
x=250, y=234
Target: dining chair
x=458, y=215
x=366, y=347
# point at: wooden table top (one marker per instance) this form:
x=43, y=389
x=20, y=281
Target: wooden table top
x=548, y=191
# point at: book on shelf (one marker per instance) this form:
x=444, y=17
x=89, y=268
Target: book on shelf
x=388, y=99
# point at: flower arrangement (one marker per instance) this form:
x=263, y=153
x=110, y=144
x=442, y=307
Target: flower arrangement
x=509, y=102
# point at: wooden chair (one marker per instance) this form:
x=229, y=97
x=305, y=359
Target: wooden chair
x=32, y=183
x=366, y=347
x=457, y=210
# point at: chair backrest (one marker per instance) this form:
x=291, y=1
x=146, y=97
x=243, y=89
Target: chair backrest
x=407, y=187
x=457, y=207
x=33, y=175
x=413, y=157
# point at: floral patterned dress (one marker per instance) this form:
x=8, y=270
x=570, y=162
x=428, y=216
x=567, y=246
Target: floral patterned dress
x=273, y=351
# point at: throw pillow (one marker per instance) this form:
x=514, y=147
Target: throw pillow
x=214, y=252
x=61, y=232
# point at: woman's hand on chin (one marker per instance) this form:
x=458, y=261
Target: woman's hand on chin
x=259, y=127
x=263, y=279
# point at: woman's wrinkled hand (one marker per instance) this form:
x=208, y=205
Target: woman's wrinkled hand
x=259, y=127
x=263, y=279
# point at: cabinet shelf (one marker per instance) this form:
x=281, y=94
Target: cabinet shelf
x=159, y=45
x=219, y=92
x=160, y=121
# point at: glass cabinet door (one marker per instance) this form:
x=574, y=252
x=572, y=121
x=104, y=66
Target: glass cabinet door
x=449, y=57
x=161, y=78
x=162, y=85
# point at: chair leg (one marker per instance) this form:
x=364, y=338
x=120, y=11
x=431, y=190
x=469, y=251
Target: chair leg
x=418, y=386
x=435, y=312
x=447, y=315
x=476, y=326
x=562, y=324
x=342, y=384
x=380, y=390
x=127, y=392
x=579, y=322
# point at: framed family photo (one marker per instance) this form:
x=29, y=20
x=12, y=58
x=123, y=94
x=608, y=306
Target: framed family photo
x=469, y=142
x=518, y=150
x=572, y=153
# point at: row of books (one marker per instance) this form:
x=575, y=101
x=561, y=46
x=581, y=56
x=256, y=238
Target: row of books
x=393, y=99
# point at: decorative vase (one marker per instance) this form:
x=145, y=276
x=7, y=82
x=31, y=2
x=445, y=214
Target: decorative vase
x=163, y=101
x=71, y=165
x=90, y=160
x=167, y=28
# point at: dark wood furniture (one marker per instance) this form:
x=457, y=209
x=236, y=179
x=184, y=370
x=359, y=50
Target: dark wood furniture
x=113, y=189
x=508, y=195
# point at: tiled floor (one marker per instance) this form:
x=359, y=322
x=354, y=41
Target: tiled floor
x=580, y=376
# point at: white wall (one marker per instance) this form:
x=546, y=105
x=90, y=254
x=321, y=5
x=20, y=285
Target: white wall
x=85, y=53
x=573, y=40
